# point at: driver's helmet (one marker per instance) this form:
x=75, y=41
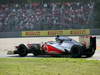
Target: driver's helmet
x=61, y=38
x=57, y=38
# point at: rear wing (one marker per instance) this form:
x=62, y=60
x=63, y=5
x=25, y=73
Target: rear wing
x=88, y=41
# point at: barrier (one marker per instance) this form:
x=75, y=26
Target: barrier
x=10, y=34
x=72, y=32
x=56, y=32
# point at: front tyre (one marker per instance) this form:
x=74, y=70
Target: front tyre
x=22, y=50
x=76, y=51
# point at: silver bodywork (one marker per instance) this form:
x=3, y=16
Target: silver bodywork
x=65, y=45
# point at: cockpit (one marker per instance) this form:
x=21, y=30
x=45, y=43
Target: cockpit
x=62, y=39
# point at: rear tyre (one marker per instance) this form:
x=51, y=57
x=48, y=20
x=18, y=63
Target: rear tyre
x=22, y=50
x=76, y=51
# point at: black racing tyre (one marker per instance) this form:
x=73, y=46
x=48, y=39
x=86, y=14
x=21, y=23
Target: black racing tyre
x=76, y=51
x=90, y=53
x=22, y=50
x=36, y=49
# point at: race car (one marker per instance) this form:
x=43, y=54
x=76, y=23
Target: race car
x=62, y=45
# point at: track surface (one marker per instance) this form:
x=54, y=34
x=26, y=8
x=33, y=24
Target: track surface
x=9, y=43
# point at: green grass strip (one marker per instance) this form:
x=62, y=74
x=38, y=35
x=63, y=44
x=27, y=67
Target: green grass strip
x=48, y=66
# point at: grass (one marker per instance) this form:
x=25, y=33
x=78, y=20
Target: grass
x=48, y=66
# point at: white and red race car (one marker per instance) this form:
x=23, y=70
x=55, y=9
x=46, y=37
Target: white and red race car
x=61, y=46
